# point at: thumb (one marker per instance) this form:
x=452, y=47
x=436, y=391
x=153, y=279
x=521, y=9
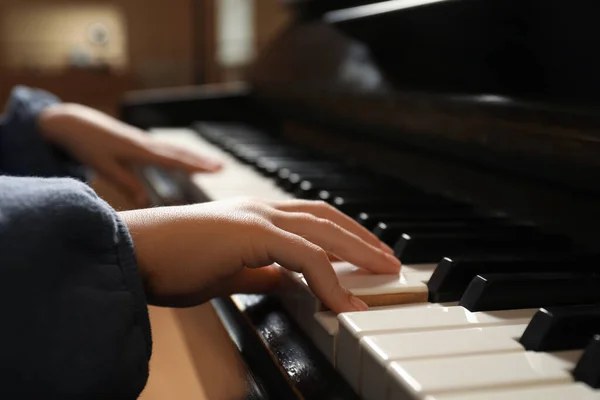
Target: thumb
x=126, y=181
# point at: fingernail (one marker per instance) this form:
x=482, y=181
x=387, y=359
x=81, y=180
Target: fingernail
x=214, y=165
x=386, y=248
x=392, y=259
x=358, y=304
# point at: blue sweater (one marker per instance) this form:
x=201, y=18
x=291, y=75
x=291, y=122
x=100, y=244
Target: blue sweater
x=73, y=310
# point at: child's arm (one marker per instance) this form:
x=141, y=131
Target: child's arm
x=113, y=148
x=74, y=276
x=40, y=136
x=191, y=253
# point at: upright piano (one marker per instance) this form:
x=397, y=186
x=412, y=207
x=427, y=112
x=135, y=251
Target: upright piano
x=466, y=135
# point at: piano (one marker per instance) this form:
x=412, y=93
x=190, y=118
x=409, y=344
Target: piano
x=466, y=135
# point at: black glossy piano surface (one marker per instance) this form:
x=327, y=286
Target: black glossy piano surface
x=488, y=104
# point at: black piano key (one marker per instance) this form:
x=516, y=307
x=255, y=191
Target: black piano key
x=587, y=370
x=414, y=248
x=251, y=154
x=452, y=276
x=340, y=174
x=513, y=291
x=271, y=166
x=391, y=232
x=319, y=167
x=255, y=148
x=307, y=189
x=260, y=150
x=363, y=182
x=561, y=328
x=290, y=181
x=374, y=194
x=370, y=219
x=284, y=175
x=345, y=197
x=354, y=206
x=249, y=137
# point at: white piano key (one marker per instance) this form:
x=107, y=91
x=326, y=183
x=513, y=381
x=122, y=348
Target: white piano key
x=379, y=351
x=418, y=378
x=302, y=305
x=420, y=271
x=378, y=289
x=297, y=298
x=324, y=332
x=416, y=318
x=288, y=292
x=234, y=180
x=303, y=308
x=192, y=141
x=569, y=391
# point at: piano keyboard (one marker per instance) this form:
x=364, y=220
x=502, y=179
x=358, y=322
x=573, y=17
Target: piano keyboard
x=466, y=327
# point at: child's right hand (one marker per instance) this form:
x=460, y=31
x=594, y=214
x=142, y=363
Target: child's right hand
x=188, y=254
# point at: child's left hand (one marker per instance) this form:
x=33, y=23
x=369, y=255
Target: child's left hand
x=113, y=148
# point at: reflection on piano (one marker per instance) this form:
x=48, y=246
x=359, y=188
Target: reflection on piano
x=463, y=134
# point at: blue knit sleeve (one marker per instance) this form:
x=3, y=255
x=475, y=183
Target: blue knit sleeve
x=23, y=151
x=74, y=316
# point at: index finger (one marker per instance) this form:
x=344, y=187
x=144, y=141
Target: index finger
x=299, y=255
x=179, y=158
x=323, y=210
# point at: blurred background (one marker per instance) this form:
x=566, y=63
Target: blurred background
x=91, y=52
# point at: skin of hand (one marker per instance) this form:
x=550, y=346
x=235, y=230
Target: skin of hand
x=113, y=149
x=189, y=254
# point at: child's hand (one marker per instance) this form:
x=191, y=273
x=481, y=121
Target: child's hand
x=113, y=148
x=191, y=253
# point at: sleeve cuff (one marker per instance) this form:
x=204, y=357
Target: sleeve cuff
x=23, y=150
x=133, y=280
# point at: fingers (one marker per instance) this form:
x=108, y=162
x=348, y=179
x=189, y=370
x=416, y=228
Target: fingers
x=175, y=157
x=338, y=241
x=323, y=210
x=126, y=181
x=298, y=254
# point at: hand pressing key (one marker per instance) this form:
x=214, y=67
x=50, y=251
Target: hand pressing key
x=189, y=254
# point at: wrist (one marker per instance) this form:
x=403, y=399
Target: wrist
x=148, y=231
x=135, y=222
x=54, y=121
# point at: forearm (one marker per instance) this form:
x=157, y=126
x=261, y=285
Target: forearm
x=62, y=123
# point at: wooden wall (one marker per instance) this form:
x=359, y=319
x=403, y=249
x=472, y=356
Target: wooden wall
x=153, y=49
x=155, y=43
x=271, y=18
x=159, y=36
x=161, y=41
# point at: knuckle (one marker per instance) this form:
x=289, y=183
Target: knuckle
x=260, y=226
x=278, y=217
x=322, y=204
x=306, y=217
x=252, y=204
x=328, y=224
x=320, y=255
